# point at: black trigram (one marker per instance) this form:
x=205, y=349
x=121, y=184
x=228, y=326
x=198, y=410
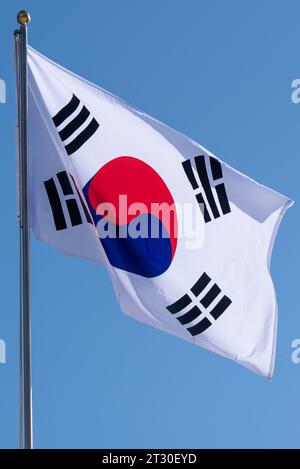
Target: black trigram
x=193, y=302
x=209, y=199
x=70, y=128
x=72, y=201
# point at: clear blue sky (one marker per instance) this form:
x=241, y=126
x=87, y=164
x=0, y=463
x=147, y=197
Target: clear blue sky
x=221, y=73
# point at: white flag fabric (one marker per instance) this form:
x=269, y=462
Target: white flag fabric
x=102, y=178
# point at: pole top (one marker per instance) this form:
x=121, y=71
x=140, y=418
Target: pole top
x=23, y=17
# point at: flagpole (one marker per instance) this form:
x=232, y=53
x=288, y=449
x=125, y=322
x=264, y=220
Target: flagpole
x=17, y=66
x=23, y=18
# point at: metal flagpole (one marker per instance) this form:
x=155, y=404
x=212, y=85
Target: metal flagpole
x=17, y=62
x=25, y=327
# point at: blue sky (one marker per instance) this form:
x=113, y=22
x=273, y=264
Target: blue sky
x=220, y=72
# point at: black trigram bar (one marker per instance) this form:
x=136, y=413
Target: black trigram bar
x=203, y=207
x=200, y=284
x=70, y=202
x=202, y=173
x=220, y=307
x=56, y=207
x=69, y=129
x=210, y=296
x=195, y=311
x=184, y=301
x=216, y=169
x=200, y=327
x=190, y=315
x=217, y=174
x=66, y=111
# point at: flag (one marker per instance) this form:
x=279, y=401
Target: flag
x=186, y=239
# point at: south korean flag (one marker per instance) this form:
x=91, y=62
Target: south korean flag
x=187, y=240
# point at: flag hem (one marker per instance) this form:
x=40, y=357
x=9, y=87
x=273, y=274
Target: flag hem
x=289, y=203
